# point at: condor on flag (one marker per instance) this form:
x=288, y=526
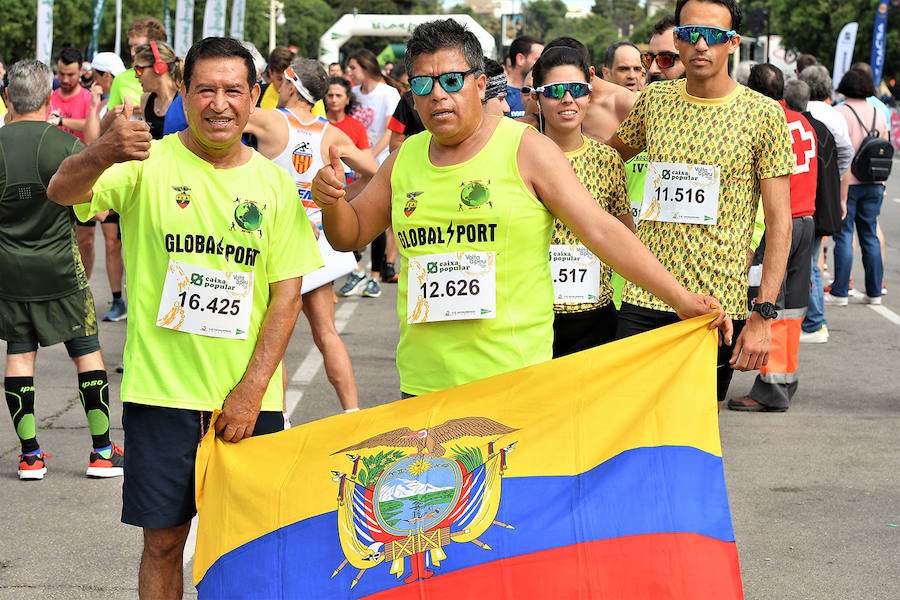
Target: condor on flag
x=597, y=475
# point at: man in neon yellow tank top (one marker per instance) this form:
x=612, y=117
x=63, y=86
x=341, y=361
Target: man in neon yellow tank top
x=472, y=202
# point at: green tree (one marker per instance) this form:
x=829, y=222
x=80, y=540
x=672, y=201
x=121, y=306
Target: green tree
x=623, y=15
x=594, y=31
x=543, y=16
x=813, y=27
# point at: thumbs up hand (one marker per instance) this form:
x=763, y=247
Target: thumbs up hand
x=125, y=140
x=328, y=184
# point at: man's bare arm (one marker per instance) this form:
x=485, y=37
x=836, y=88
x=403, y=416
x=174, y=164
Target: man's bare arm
x=242, y=405
x=546, y=170
x=125, y=140
x=751, y=351
x=351, y=224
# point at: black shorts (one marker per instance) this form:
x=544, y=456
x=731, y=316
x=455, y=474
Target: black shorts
x=160, y=450
x=112, y=217
x=574, y=332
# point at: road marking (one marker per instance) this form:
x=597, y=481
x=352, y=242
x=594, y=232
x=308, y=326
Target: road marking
x=886, y=313
x=897, y=200
x=304, y=374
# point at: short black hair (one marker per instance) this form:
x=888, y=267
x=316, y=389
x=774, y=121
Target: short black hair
x=768, y=80
x=663, y=25
x=521, y=45
x=69, y=55
x=431, y=36
x=856, y=83
x=733, y=7
x=218, y=47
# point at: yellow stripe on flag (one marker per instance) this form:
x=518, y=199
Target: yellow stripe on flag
x=569, y=415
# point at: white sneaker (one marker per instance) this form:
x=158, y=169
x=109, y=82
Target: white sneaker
x=870, y=300
x=815, y=337
x=835, y=300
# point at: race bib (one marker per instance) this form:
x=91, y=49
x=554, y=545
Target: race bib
x=206, y=301
x=451, y=287
x=681, y=193
x=576, y=274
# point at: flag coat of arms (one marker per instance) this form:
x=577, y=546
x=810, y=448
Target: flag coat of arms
x=597, y=475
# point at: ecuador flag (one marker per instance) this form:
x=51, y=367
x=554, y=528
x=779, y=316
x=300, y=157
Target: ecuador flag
x=597, y=475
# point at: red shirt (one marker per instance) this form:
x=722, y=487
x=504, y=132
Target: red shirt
x=804, y=143
x=75, y=106
x=355, y=130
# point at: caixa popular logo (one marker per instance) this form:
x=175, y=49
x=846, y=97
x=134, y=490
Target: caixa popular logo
x=409, y=496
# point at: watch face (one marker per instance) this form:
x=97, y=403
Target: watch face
x=766, y=310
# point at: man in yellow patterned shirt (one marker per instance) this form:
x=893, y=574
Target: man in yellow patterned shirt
x=714, y=147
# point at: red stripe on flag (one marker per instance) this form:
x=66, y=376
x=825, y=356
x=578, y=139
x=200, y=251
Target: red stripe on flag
x=670, y=565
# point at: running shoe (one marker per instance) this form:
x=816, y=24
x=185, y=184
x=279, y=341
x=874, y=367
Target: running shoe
x=815, y=337
x=873, y=300
x=107, y=466
x=388, y=274
x=117, y=311
x=354, y=284
x=31, y=466
x=373, y=290
x=835, y=300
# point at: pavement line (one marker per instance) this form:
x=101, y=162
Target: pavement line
x=304, y=374
x=886, y=313
x=310, y=366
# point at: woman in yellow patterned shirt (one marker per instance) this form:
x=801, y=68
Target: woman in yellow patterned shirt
x=584, y=315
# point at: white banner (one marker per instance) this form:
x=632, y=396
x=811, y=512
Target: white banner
x=238, y=8
x=214, y=19
x=843, y=54
x=184, y=26
x=45, y=31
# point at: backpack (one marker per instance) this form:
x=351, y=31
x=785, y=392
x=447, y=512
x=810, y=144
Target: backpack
x=874, y=157
x=828, y=184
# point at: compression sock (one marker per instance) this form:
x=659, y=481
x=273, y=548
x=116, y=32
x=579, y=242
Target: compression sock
x=20, y=400
x=117, y=295
x=93, y=387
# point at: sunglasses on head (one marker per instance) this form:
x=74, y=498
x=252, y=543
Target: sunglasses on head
x=421, y=85
x=712, y=35
x=558, y=90
x=664, y=60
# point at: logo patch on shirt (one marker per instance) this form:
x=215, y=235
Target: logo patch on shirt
x=411, y=203
x=182, y=195
x=301, y=157
x=248, y=215
x=474, y=195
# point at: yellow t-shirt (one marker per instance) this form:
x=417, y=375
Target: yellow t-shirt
x=174, y=205
x=600, y=170
x=482, y=205
x=745, y=134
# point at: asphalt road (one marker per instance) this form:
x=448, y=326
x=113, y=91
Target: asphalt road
x=814, y=492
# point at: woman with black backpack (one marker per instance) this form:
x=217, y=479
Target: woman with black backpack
x=870, y=168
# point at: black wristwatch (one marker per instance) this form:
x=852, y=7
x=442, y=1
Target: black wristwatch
x=766, y=310
x=59, y=122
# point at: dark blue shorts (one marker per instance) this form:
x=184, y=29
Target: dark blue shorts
x=160, y=450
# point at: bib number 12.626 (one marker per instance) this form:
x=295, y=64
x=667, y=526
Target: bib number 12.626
x=451, y=287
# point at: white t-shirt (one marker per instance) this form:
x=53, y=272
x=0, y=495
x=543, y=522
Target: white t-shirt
x=374, y=110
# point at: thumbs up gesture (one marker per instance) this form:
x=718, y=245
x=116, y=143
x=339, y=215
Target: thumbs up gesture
x=125, y=140
x=328, y=184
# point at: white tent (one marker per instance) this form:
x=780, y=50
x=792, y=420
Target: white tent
x=390, y=25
